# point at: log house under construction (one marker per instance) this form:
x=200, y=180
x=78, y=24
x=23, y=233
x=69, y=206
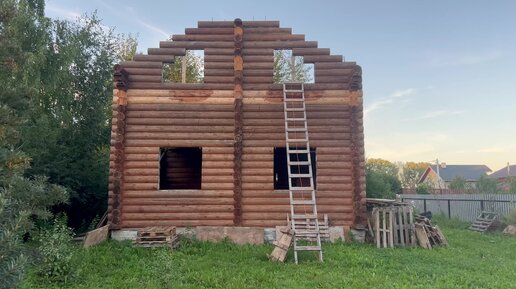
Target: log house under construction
x=213, y=153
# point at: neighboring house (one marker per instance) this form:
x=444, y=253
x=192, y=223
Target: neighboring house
x=440, y=178
x=504, y=173
x=504, y=176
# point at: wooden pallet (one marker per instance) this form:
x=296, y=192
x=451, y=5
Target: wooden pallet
x=392, y=225
x=157, y=237
x=484, y=221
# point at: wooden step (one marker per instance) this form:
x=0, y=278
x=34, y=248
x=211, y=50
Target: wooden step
x=302, y=202
x=307, y=248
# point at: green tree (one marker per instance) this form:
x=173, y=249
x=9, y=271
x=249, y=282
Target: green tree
x=68, y=132
x=194, y=69
x=486, y=185
x=126, y=47
x=458, y=183
x=24, y=199
x=411, y=173
x=382, y=179
x=382, y=166
x=511, y=185
x=283, y=68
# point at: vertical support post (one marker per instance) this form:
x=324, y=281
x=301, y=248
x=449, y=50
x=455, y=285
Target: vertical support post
x=424, y=205
x=293, y=68
x=238, y=65
x=482, y=205
x=449, y=209
x=183, y=69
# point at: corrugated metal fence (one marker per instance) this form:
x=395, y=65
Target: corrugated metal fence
x=464, y=206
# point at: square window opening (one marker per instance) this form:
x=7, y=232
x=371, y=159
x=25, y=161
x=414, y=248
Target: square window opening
x=281, y=181
x=185, y=69
x=290, y=68
x=180, y=168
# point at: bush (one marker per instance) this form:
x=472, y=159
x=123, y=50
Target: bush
x=423, y=189
x=510, y=219
x=56, y=249
x=381, y=185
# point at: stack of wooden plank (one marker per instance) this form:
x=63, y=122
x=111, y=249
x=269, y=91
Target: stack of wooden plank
x=428, y=236
x=157, y=237
x=282, y=244
x=484, y=221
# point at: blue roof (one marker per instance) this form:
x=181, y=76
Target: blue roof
x=468, y=172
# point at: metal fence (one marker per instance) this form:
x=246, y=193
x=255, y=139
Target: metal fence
x=466, y=207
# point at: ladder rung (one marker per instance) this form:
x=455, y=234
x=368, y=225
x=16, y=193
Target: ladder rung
x=303, y=217
x=307, y=248
x=304, y=163
x=290, y=151
x=295, y=109
x=302, y=202
x=293, y=90
x=295, y=119
x=297, y=140
x=297, y=129
x=301, y=189
x=300, y=175
x=294, y=99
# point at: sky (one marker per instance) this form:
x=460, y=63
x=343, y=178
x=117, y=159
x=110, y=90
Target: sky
x=439, y=77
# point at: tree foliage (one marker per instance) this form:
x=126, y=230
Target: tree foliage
x=411, y=173
x=382, y=179
x=24, y=198
x=486, y=185
x=194, y=69
x=458, y=183
x=284, y=68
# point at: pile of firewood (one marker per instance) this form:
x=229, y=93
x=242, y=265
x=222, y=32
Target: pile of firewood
x=428, y=236
x=157, y=236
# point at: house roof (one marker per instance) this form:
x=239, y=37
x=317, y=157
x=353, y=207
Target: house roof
x=468, y=172
x=502, y=173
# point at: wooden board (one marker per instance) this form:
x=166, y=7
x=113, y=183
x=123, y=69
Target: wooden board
x=96, y=236
x=282, y=245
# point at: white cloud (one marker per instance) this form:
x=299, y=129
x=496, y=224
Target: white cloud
x=436, y=114
x=391, y=98
x=466, y=59
x=154, y=29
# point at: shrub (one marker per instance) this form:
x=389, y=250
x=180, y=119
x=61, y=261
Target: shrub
x=423, y=189
x=510, y=219
x=56, y=249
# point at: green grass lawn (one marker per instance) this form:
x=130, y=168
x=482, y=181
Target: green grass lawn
x=473, y=260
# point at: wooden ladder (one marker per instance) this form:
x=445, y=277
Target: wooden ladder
x=303, y=208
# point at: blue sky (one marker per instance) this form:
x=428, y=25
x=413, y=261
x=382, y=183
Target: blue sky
x=439, y=77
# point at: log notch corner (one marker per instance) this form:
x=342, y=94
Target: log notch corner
x=120, y=94
x=357, y=147
x=238, y=65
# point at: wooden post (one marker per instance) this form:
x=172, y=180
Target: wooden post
x=384, y=235
x=376, y=217
x=391, y=227
x=183, y=69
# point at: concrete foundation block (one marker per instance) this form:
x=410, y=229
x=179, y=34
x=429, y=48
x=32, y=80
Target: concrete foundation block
x=336, y=233
x=245, y=235
x=122, y=235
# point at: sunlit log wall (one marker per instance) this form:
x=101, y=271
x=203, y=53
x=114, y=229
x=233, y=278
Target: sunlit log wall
x=236, y=117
